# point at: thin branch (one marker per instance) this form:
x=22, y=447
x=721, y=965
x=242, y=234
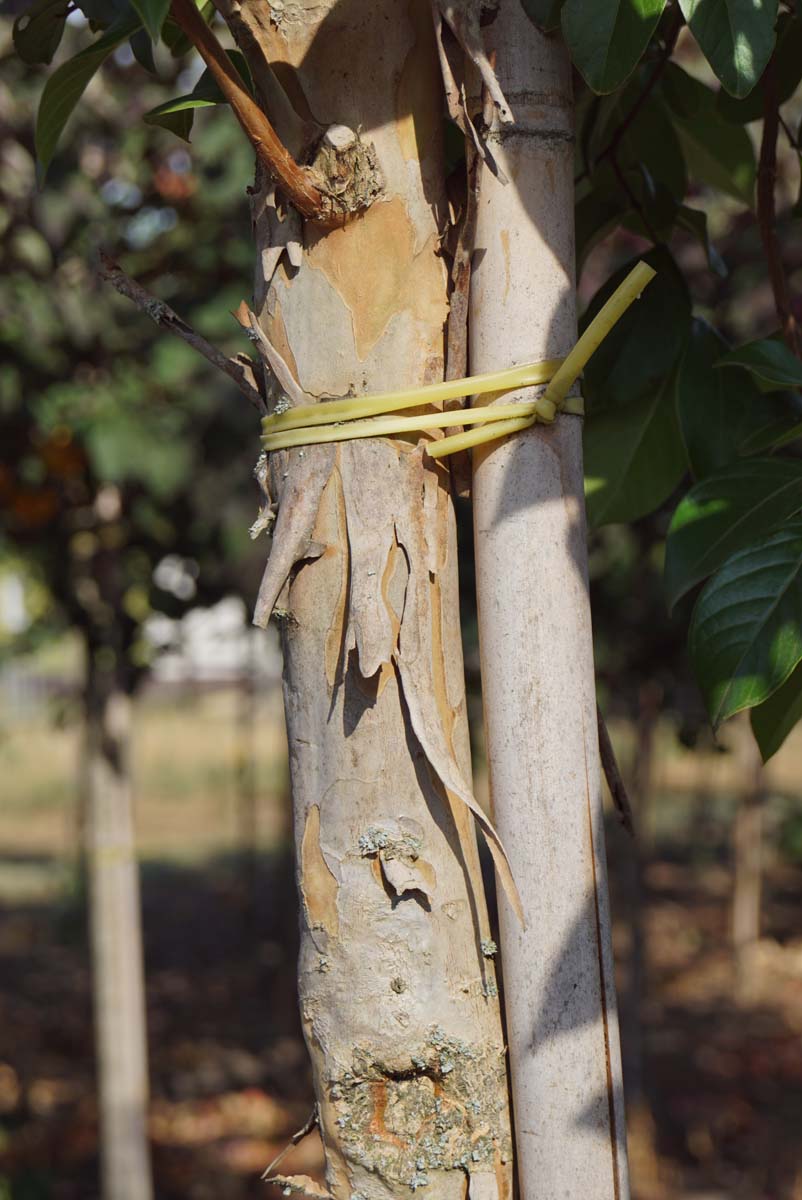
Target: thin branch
x=306, y=1128
x=644, y=94
x=767, y=213
x=634, y=201
x=612, y=774
x=648, y=87
x=163, y=316
x=299, y=183
x=789, y=133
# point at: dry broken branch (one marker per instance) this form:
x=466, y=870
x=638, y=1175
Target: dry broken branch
x=612, y=774
x=239, y=370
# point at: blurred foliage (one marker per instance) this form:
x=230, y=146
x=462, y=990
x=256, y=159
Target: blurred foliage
x=119, y=447
x=668, y=167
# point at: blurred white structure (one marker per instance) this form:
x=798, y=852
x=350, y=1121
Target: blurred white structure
x=213, y=645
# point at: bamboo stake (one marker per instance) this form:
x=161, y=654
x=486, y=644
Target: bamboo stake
x=537, y=665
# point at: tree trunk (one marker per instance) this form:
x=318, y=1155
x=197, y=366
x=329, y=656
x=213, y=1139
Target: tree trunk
x=116, y=938
x=397, y=988
x=536, y=650
x=747, y=838
x=635, y=857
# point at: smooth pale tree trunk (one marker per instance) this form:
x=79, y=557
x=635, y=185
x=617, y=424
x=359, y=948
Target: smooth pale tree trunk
x=115, y=936
x=536, y=653
x=396, y=978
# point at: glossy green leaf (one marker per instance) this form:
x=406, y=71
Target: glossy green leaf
x=735, y=36
x=153, y=14
x=770, y=361
x=177, y=115
x=726, y=512
x=607, y=38
x=718, y=153
x=787, y=75
x=634, y=457
x=774, y=719
x=544, y=13
x=66, y=85
x=745, y=636
x=38, y=31
x=639, y=352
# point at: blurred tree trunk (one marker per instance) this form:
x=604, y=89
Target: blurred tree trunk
x=114, y=900
x=635, y=994
x=247, y=798
x=537, y=653
x=747, y=840
x=396, y=979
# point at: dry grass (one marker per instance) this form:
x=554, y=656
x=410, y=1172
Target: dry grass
x=191, y=754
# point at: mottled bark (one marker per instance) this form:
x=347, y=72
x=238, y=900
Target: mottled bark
x=396, y=977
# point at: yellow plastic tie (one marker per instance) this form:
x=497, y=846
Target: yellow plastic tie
x=376, y=416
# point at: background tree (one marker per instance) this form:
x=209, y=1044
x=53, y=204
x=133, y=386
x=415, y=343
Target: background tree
x=114, y=458
x=657, y=134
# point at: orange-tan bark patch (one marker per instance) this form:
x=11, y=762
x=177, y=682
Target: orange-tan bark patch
x=372, y=265
x=318, y=885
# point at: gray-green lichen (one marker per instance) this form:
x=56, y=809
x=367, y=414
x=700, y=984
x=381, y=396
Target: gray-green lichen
x=444, y=1109
x=376, y=840
x=489, y=948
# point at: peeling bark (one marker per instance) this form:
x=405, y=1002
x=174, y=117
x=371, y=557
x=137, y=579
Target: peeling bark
x=398, y=999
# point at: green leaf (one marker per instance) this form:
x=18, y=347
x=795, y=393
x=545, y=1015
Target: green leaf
x=704, y=406
x=142, y=50
x=717, y=152
x=735, y=36
x=595, y=216
x=773, y=436
x=650, y=138
x=746, y=630
x=723, y=414
x=726, y=512
x=544, y=13
x=177, y=115
x=66, y=85
x=173, y=35
x=774, y=719
x=607, y=38
x=153, y=14
x=773, y=365
x=37, y=32
x=694, y=221
x=787, y=75
x=639, y=352
x=634, y=457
